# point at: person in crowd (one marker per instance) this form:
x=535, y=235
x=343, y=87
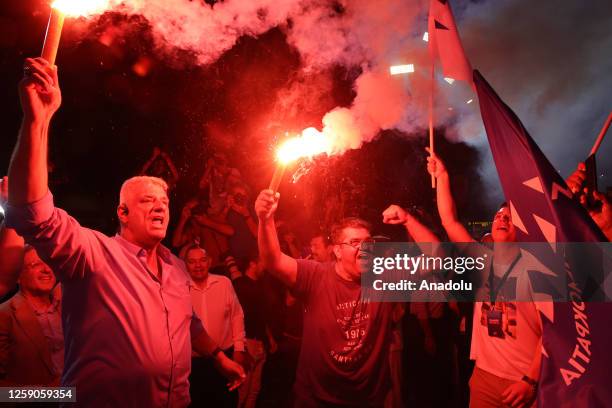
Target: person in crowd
x=209, y=231
x=11, y=249
x=289, y=344
x=395, y=398
x=321, y=249
x=186, y=233
x=161, y=166
x=289, y=242
x=344, y=359
x=436, y=385
x=217, y=180
x=254, y=300
x=242, y=243
x=507, y=356
x=231, y=267
x=217, y=305
x=127, y=314
x=31, y=337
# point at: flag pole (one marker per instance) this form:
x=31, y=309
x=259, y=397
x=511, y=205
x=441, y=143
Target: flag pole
x=431, y=120
x=602, y=133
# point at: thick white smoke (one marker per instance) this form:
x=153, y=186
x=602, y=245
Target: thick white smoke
x=205, y=30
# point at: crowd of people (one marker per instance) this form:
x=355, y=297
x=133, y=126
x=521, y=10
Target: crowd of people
x=239, y=313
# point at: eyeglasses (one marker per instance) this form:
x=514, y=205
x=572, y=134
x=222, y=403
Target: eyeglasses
x=358, y=243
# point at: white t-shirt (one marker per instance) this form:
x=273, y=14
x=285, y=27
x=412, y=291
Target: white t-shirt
x=507, y=349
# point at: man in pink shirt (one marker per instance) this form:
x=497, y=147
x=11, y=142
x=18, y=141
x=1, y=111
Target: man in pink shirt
x=129, y=325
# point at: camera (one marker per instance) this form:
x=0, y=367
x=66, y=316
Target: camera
x=240, y=199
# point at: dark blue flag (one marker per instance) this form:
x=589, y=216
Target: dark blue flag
x=577, y=334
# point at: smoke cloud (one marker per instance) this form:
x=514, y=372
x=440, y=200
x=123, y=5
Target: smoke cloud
x=546, y=59
x=369, y=36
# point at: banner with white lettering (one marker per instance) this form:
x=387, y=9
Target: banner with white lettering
x=575, y=365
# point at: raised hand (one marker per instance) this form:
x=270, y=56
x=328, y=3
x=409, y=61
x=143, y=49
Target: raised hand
x=266, y=204
x=603, y=215
x=395, y=215
x=575, y=181
x=435, y=166
x=39, y=90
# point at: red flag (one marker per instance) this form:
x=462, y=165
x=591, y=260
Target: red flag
x=444, y=40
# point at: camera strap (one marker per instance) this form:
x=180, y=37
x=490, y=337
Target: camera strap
x=494, y=292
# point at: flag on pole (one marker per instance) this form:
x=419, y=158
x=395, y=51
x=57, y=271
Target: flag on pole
x=445, y=42
x=576, y=334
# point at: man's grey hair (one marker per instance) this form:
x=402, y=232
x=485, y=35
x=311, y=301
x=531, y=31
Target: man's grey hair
x=129, y=184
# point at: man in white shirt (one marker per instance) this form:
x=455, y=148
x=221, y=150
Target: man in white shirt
x=217, y=305
x=506, y=333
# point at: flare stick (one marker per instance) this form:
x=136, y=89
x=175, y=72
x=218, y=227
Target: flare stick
x=53, y=35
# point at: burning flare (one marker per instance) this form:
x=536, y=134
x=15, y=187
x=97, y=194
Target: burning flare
x=309, y=144
x=80, y=8
x=59, y=10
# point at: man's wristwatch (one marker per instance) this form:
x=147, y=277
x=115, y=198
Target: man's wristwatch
x=530, y=381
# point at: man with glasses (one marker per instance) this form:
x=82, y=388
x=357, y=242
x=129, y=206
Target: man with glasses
x=344, y=355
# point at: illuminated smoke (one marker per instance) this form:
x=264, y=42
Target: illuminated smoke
x=372, y=36
x=358, y=33
x=208, y=31
x=546, y=59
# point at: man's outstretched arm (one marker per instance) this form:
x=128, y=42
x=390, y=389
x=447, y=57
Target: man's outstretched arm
x=40, y=98
x=446, y=203
x=60, y=241
x=280, y=265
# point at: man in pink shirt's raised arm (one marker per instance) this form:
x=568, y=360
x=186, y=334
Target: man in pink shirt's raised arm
x=128, y=320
